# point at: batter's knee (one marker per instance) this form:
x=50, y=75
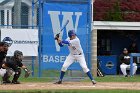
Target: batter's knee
x=64, y=69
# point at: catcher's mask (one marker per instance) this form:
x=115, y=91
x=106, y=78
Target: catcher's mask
x=18, y=55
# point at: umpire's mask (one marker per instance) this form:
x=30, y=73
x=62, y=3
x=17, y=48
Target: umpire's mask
x=18, y=55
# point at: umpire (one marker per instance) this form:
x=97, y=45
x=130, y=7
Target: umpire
x=15, y=63
x=3, y=52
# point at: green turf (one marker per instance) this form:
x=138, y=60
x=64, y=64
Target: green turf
x=118, y=79
x=72, y=91
x=35, y=79
x=86, y=79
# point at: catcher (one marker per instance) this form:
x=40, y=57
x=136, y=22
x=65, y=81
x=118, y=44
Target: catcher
x=15, y=64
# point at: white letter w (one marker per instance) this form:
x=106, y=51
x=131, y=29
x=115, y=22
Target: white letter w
x=54, y=15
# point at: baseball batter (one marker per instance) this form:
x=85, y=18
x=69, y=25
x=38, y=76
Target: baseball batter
x=76, y=53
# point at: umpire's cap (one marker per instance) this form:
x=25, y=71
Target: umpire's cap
x=4, y=44
x=71, y=33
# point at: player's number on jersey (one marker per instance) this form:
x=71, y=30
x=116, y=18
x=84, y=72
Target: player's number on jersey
x=73, y=47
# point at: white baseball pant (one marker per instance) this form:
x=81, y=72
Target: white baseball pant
x=71, y=58
x=124, y=67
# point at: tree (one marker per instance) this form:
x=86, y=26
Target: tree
x=114, y=14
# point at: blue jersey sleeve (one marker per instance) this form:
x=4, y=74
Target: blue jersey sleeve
x=62, y=43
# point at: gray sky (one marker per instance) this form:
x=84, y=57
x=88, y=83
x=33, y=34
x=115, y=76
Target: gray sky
x=1, y=1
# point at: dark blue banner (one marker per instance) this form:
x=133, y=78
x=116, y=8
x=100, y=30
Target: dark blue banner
x=55, y=16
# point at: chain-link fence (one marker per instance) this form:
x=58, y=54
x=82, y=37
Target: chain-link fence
x=21, y=14
x=18, y=14
x=24, y=14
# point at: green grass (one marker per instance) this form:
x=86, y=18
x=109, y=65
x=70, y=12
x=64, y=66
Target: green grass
x=98, y=79
x=86, y=79
x=35, y=79
x=72, y=91
x=118, y=79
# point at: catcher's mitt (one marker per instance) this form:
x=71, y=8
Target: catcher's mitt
x=27, y=73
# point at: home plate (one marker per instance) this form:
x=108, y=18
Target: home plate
x=32, y=85
x=83, y=86
x=87, y=86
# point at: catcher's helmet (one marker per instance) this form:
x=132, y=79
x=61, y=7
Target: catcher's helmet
x=71, y=33
x=18, y=55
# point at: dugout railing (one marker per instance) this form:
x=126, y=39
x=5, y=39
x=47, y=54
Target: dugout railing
x=132, y=55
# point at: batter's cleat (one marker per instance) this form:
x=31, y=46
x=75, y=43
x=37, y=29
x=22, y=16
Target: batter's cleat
x=15, y=82
x=58, y=82
x=126, y=75
x=93, y=82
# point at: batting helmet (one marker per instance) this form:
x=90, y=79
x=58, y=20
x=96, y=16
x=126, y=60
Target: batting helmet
x=71, y=33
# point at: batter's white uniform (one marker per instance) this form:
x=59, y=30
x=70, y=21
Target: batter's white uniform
x=76, y=54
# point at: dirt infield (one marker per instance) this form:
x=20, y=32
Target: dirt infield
x=72, y=85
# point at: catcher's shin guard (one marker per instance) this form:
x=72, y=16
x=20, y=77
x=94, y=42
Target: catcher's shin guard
x=16, y=76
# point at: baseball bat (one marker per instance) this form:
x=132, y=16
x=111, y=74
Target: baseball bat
x=64, y=25
x=62, y=28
